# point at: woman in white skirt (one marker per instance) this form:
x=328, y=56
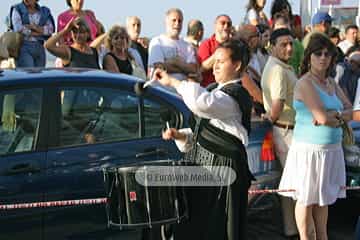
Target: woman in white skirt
x=315, y=165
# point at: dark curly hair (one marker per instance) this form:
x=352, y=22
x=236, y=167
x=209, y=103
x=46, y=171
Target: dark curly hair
x=318, y=41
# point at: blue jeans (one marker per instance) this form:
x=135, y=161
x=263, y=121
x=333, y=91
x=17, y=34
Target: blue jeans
x=32, y=54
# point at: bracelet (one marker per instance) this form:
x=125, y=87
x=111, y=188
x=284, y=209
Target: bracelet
x=339, y=113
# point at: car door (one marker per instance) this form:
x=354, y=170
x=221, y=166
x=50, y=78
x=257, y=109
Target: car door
x=94, y=128
x=22, y=162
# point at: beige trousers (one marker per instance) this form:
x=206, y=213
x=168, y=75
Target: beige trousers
x=282, y=141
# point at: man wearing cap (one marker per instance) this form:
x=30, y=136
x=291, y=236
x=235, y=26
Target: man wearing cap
x=321, y=23
x=278, y=82
x=223, y=28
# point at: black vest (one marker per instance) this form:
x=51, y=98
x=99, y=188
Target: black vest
x=242, y=97
x=215, y=139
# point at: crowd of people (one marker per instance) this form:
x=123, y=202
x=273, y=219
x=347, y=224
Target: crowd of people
x=305, y=81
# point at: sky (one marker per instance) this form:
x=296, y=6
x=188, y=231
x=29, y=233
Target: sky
x=152, y=12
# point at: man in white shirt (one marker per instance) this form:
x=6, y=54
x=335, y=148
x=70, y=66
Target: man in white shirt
x=351, y=33
x=177, y=56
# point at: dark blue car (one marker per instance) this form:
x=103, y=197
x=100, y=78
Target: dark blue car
x=61, y=128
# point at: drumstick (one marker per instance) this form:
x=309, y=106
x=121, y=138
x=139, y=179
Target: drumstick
x=149, y=82
x=167, y=125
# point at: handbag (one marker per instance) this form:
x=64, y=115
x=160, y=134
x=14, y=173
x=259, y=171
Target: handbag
x=348, y=135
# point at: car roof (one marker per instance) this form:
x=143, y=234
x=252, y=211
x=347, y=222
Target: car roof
x=51, y=75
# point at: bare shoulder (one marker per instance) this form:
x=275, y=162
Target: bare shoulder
x=303, y=87
x=304, y=82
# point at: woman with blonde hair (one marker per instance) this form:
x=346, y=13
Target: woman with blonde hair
x=121, y=58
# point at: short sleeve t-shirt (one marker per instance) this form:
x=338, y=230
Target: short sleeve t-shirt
x=163, y=48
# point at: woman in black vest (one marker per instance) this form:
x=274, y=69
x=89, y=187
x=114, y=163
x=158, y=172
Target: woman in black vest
x=79, y=54
x=218, y=137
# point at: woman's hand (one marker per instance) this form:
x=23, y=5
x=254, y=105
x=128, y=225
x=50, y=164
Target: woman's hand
x=165, y=79
x=73, y=23
x=332, y=119
x=173, y=134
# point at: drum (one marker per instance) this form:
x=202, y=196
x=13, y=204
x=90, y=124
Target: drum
x=134, y=205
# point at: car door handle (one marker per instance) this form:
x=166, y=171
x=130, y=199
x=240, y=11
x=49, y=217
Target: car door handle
x=152, y=152
x=21, y=168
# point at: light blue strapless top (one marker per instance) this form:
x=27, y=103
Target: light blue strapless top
x=306, y=131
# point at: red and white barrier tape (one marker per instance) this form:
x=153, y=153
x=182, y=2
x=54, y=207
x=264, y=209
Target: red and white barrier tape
x=260, y=191
x=96, y=201
x=54, y=204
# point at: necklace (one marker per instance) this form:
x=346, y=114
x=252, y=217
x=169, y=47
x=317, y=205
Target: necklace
x=322, y=81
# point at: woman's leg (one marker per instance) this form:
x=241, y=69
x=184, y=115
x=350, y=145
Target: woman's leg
x=305, y=222
x=320, y=215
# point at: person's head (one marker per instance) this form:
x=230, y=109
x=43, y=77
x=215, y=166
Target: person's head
x=117, y=38
x=320, y=55
x=351, y=33
x=258, y=5
x=231, y=59
x=353, y=58
x=223, y=28
x=81, y=34
x=195, y=29
x=281, y=21
x=30, y=3
x=334, y=35
x=282, y=7
x=133, y=26
x=173, y=22
x=321, y=22
x=75, y=5
x=264, y=31
x=249, y=34
x=281, y=41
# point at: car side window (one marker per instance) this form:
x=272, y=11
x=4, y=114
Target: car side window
x=20, y=114
x=156, y=114
x=95, y=115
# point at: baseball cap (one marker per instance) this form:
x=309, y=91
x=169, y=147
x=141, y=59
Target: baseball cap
x=321, y=17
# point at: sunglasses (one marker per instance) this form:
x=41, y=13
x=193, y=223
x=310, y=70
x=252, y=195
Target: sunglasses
x=224, y=22
x=79, y=30
x=120, y=37
x=320, y=53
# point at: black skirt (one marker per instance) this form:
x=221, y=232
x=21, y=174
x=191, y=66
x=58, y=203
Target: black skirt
x=216, y=212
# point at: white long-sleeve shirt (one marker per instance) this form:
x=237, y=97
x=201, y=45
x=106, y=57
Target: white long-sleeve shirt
x=222, y=110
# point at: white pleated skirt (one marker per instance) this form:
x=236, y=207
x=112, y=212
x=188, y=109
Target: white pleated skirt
x=316, y=172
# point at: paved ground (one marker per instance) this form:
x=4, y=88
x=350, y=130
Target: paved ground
x=265, y=219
